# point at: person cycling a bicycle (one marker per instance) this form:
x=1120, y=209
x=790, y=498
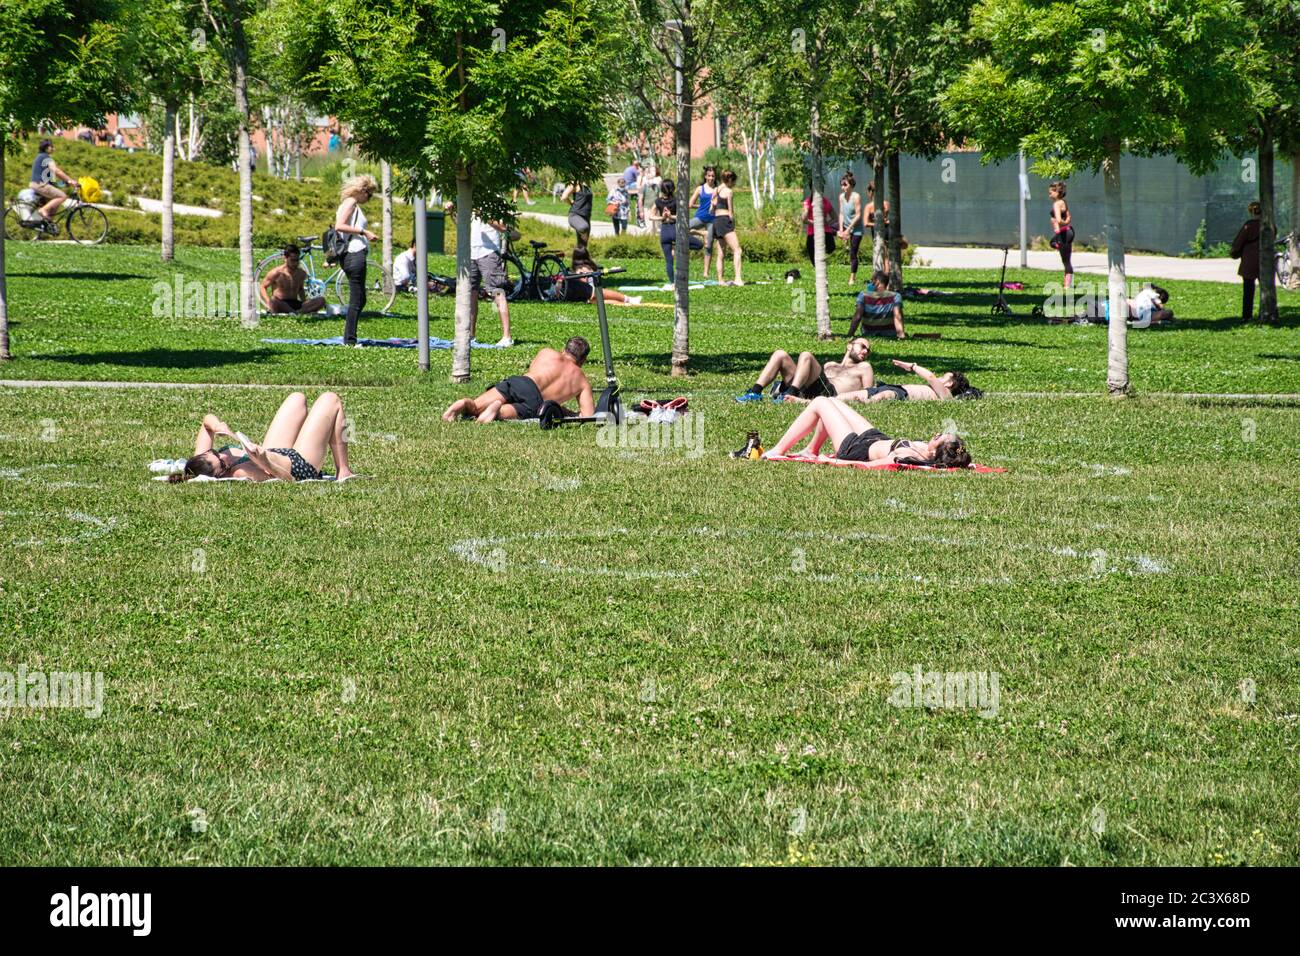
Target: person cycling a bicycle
x=44, y=171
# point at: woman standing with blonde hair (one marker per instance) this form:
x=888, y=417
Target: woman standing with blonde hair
x=350, y=219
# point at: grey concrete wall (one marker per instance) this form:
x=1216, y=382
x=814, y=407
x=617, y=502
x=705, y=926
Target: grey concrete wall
x=954, y=200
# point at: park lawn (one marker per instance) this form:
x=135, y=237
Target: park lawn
x=514, y=647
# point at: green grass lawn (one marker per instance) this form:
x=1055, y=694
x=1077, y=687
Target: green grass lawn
x=510, y=646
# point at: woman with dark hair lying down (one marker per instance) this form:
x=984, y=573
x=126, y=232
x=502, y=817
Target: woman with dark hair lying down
x=294, y=448
x=856, y=439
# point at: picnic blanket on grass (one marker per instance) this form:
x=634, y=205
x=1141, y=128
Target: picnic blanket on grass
x=880, y=465
x=399, y=343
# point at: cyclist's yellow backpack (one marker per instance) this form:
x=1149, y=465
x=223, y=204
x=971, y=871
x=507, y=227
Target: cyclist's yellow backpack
x=90, y=190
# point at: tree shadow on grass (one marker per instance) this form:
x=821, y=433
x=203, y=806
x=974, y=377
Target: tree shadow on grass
x=165, y=358
x=70, y=274
x=751, y=363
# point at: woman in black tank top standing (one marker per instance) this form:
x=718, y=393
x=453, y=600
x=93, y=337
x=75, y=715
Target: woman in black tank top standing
x=1062, y=229
x=578, y=195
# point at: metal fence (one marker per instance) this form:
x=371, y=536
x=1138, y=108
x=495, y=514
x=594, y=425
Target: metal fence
x=954, y=200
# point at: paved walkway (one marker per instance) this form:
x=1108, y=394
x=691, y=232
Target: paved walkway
x=1094, y=263
x=600, y=229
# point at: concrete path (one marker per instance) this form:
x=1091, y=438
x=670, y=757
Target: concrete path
x=1093, y=263
x=600, y=229
x=156, y=206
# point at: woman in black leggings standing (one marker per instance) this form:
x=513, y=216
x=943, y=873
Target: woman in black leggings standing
x=350, y=218
x=666, y=212
x=1062, y=228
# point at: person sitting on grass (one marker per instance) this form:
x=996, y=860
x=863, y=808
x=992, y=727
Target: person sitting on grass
x=940, y=388
x=856, y=439
x=551, y=377
x=293, y=450
x=281, y=290
x=879, y=307
x=804, y=379
x=580, y=288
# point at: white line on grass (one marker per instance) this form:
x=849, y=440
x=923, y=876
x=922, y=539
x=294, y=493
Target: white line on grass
x=37, y=383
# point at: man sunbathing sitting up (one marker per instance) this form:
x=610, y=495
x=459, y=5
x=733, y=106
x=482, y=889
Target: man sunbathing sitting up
x=285, y=283
x=939, y=388
x=806, y=378
x=879, y=308
x=856, y=439
x=552, y=377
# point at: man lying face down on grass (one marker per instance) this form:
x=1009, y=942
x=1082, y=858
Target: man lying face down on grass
x=552, y=377
x=806, y=378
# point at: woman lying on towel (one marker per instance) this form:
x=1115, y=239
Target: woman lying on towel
x=293, y=450
x=856, y=439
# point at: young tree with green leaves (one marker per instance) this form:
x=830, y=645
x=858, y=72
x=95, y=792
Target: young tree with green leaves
x=1274, y=125
x=667, y=67
x=458, y=94
x=170, y=68
x=225, y=29
x=1079, y=84
x=62, y=62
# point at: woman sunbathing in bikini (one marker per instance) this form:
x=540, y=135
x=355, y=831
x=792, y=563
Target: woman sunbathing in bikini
x=293, y=450
x=856, y=439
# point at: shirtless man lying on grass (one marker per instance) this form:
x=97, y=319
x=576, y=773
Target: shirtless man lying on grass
x=806, y=378
x=552, y=377
x=937, y=388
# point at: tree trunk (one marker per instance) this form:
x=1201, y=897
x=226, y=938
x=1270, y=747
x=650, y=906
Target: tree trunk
x=682, y=253
x=1267, y=231
x=770, y=152
x=247, y=293
x=1117, y=382
x=386, y=183
x=1293, y=244
x=268, y=124
x=821, y=285
x=878, y=211
x=4, y=294
x=895, y=224
x=460, y=363
x=168, y=181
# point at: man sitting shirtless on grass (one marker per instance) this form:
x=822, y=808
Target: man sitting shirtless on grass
x=937, y=388
x=804, y=379
x=285, y=283
x=552, y=377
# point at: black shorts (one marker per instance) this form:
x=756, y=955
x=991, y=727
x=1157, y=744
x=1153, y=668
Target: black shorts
x=723, y=226
x=579, y=225
x=858, y=447
x=577, y=290
x=521, y=392
x=899, y=392
x=818, y=389
x=286, y=306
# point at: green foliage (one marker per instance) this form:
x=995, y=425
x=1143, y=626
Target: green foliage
x=64, y=61
x=1072, y=83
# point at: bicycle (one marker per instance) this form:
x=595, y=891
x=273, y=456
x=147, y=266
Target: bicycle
x=335, y=280
x=539, y=282
x=85, y=222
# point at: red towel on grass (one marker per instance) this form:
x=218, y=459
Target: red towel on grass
x=882, y=465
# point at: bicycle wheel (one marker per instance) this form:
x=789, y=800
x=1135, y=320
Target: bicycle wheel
x=87, y=225
x=15, y=231
x=377, y=300
x=549, y=269
x=516, y=278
